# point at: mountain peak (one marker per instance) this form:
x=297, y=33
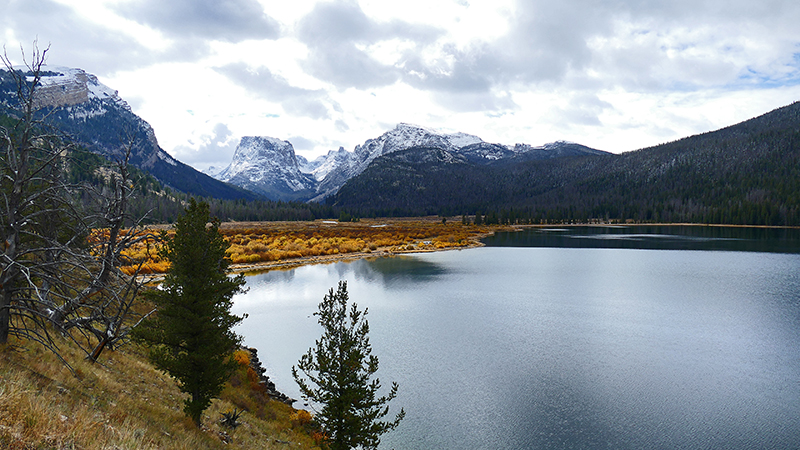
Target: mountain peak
x=456, y=140
x=66, y=86
x=268, y=166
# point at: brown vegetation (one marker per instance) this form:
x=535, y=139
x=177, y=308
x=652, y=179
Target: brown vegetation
x=125, y=403
x=262, y=243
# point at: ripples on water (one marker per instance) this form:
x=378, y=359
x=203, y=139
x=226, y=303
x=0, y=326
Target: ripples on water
x=516, y=348
x=655, y=237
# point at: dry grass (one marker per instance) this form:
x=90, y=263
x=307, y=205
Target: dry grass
x=124, y=403
x=268, y=242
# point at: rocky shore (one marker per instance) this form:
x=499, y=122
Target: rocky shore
x=264, y=380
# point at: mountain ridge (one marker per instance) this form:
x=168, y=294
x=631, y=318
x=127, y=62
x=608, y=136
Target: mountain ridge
x=747, y=173
x=333, y=170
x=93, y=115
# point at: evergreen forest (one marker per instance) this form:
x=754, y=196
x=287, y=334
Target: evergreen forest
x=745, y=174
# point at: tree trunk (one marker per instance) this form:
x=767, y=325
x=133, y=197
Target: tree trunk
x=97, y=350
x=5, y=316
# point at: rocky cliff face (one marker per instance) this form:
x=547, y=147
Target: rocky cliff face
x=269, y=167
x=64, y=86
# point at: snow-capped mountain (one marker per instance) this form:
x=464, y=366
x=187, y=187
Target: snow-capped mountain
x=323, y=165
x=269, y=167
x=94, y=115
x=402, y=137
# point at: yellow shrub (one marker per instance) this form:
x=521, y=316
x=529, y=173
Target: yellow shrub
x=301, y=417
x=242, y=357
x=256, y=246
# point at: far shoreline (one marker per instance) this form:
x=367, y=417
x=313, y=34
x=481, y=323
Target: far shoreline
x=475, y=242
x=257, y=268
x=286, y=264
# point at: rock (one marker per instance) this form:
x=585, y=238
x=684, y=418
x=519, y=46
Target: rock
x=264, y=380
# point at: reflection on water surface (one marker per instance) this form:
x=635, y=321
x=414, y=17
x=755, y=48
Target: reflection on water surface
x=563, y=347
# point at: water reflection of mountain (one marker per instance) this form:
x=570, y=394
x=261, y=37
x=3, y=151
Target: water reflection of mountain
x=396, y=270
x=271, y=276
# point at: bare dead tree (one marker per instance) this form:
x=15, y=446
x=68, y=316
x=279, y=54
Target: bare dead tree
x=116, y=292
x=53, y=277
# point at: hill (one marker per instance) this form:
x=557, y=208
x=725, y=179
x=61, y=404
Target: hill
x=124, y=402
x=746, y=174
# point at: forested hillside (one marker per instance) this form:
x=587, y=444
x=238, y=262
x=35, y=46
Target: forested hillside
x=748, y=173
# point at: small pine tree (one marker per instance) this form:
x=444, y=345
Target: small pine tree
x=191, y=337
x=340, y=369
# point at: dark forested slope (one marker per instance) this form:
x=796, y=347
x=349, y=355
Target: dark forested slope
x=747, y=173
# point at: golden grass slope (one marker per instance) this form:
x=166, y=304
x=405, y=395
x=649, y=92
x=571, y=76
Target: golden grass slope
x=125, y=403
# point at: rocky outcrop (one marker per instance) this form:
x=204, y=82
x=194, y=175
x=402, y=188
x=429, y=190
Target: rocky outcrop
x=64, y=86
x=264, y=380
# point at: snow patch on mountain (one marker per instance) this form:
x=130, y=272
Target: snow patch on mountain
x=66, y=86
x=462, y=139
x=164, y=156
x=402, y=137
x=326, y=163
x=268, y=166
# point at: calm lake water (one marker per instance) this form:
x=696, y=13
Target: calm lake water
x=536, y=344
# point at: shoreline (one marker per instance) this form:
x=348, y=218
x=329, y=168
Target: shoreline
x=285, y=264
x=329, y=259
x=475, y=242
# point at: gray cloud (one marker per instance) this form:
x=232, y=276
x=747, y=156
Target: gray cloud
x=342, y=126
x=333, y=32
x=478, y=101
x=294, y=100
x=580, y=109
x=225, y=20
x=73, y=41
x=301, y=143
x=638, y=46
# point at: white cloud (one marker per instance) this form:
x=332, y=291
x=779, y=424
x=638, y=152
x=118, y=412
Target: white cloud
x=615, y=75
x=213, y=149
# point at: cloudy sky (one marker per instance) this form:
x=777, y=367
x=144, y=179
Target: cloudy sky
x=615, y=75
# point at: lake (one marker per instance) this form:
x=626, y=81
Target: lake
x=541, y=341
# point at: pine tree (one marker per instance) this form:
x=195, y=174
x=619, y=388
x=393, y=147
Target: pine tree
x=191, y=336
x=340, y=369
